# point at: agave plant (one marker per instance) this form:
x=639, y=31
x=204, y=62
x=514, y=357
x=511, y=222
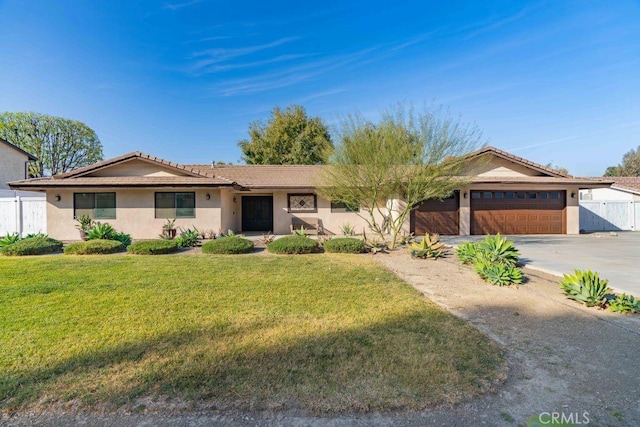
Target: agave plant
x=101, y=231
x=9, y=239
x=429, y=247
x=625, y=304
x=586, y=287
x=498, y=249
x=189, y=238
x=503, y=274
x=467, y=252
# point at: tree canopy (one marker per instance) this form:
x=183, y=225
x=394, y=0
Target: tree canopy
x=405, y=157
x=59, y=144
x=630, y=165
x=290, y=137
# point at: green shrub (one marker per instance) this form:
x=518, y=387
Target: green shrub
x=96, y=246
x=228, y=245
x=123, y=238
x=586, y=287
x=429, y=247
x=101, y=231
x=153, y=247
x=9, y=239
x=293, y=244
x=348, y=245
x=500, y=274
x=39, y=245
x=466, y=252
x=625, y=304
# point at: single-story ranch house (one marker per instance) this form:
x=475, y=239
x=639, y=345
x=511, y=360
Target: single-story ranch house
x=137, y=193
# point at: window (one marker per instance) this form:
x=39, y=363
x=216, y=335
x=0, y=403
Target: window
x=176, y=205
x=533, y=195
x=498, y=195
x=544, y=195
x=555, y=195
x=521, y=195
x=96, y=205
x=302, y=202
x=343, y=207
x=487, y=195
x=476, y=194
x=510, y=195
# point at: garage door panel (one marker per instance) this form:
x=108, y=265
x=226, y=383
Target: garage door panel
x=536, y=213
x=437, y=216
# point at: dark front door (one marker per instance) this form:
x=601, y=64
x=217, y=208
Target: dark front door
x=257, y=213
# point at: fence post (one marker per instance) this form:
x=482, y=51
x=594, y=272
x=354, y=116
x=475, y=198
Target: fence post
x=19, y=221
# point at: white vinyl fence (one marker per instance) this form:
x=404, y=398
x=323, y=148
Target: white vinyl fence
x=23, y=215
x=610, y=215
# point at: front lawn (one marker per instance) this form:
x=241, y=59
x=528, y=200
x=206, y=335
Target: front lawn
x=324, y=333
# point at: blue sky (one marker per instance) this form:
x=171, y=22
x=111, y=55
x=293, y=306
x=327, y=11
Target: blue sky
x=551, y=81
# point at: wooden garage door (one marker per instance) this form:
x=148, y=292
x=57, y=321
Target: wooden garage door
x=437, y=216
x=518, y=212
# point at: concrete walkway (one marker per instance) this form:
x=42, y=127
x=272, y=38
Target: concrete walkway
x=615, y=257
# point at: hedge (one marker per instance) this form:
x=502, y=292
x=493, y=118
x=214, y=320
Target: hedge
x=293, y=245
x=348, y=245
x=153, y=247
x=96, y=246
x=38, y=245
x=228, y=245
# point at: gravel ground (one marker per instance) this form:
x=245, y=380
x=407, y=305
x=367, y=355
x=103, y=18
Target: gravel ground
x=564, y=359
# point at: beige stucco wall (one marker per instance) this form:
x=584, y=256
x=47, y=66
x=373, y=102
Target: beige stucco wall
x=136, y=168
x=135, y=212
x=495, y=166
x=331, y=221
x=12, y=165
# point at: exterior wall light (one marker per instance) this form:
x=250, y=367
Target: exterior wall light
x=58, y=197
x=208, y=196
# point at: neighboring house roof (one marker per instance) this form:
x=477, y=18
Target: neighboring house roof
x=29, y=156
x=629, y=184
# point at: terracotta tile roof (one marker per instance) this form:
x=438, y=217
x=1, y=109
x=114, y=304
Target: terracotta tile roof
x=267, y=176
x=29, y=156
x=123, y=181
x=508, y=156
x=627, y=183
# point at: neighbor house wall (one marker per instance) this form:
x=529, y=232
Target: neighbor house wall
x=135, y=212
x=607, y=194
x=13, y=165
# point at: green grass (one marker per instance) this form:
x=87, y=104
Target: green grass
x=327, y=333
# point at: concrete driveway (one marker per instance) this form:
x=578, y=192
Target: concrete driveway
x=615, y=257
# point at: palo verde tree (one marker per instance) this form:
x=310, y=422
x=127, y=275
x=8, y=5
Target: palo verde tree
x=630, y=165
x=290, y=137
x=388, y=168
x=59, y=144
